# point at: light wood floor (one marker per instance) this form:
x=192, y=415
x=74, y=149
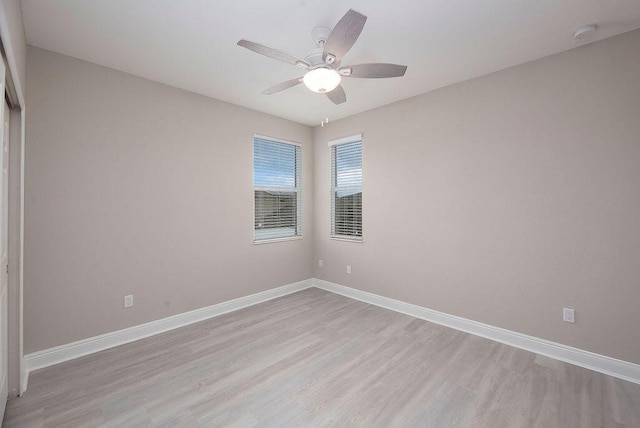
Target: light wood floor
x=314, y=358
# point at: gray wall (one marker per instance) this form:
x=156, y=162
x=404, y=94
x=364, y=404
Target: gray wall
x=505, y=198
x=501, y=199
x=133, y=187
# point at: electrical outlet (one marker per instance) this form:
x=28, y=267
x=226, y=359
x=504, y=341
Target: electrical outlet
x=348, y=269
x=128, y=300
x=568, y=315
x=320, y=263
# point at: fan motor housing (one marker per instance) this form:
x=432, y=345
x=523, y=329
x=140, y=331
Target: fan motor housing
x=314, y=57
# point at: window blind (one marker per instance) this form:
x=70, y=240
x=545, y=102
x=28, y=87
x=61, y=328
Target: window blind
x=346, y=190
x=276, y=188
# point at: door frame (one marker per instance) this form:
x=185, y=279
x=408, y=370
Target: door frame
x=14, y=47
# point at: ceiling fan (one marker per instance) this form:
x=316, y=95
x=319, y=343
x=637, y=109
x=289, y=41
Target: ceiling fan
x=323, y=63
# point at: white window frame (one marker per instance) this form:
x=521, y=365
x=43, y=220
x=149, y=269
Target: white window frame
x=298, y=190
x=333, y=189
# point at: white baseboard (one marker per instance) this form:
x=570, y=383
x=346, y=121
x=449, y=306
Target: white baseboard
x=59, y=354
x=25, y=381
x=599, y=363
x=4, y=394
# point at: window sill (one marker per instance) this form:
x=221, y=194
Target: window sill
x=346, y=238
x=272, y=240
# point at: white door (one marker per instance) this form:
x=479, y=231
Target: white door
x=4, y=260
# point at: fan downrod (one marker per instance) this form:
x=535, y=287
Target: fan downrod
x=319, y=36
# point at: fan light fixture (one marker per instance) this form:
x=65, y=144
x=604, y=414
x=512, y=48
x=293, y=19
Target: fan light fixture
x=322, y=80
x=323, y=63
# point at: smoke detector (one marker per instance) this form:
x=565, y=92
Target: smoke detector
x=585, y=31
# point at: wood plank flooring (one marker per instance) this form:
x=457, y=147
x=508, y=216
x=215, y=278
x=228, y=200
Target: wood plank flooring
x=315, y=358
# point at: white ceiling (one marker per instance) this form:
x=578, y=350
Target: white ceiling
x=191, y=44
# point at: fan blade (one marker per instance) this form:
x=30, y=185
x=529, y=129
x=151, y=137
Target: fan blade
x=273, y=53
x=343, y=36
x=337, y=96
x=373, y=71
x=282, y=86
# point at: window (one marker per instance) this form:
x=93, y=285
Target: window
x=346, y=188
x=276, y=189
